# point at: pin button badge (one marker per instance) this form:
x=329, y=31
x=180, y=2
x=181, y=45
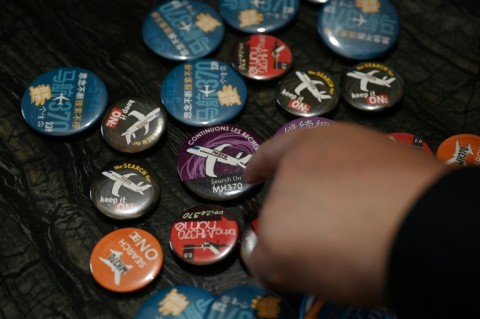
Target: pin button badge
x=133, y=125
x=249, y=239
x=258, y=16
x=304, y=123
x=359, y=30
x=204, y=235
x=212, y=161
x=262, y=57
x=410, y=140
x=217, y=94
x=179, y=302
x=460, y=151
x=126, y=260
x=64, y=101
x=183, y=30
x=308, y=92
x=372, y=86
x=125, y=190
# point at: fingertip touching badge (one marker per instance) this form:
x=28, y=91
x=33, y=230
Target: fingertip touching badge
x=133, y=124
x=304, y=123
x=125, y=190
x=64, y=101
x=204, y=92
x=372, y=86
x=358, y=29
x=183, y=30
x=212, y=161
x=308, y=92
x=204, y=235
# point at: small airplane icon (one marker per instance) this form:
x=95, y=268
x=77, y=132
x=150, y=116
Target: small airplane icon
x=122, y=180
x=143, y=121
x=360, y=20
x=216, y=154
x=460, y=150
x=206, y=245
x=185, y=26
x=206, y=91
x=369, y=77
x=257, y=3
x=61, y=98
x=118, y=268
x=307, y=83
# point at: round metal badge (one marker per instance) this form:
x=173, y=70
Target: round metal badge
x=204, y=235
x=372, y=86
x=462, y=150
x=308, y=92
x=64, y=101
x=212, y=161
x=410, y=140
x=258, y=16
x=125, y=190
x=204, y=92
x=360, y=30
x=133, y=125
x=262, y=57
x=304, y=123
x=249, y=239
x=183, y=30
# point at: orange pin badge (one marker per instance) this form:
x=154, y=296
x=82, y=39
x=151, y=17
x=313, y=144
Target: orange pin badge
x=461, y=150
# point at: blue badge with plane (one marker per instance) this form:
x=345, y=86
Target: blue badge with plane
x=359, y=29
x=183, y=30
x=64, y=101
x=179, y=302
x=258, y=16
x=203, y=92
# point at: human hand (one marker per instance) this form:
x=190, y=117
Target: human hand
x=338, y=197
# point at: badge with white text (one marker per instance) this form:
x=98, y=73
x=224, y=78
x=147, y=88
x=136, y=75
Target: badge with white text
x=304, y=123
x=462, y=150
x=212, y=161
x=411, y=141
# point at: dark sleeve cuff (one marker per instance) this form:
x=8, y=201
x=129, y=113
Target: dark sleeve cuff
x=434, y=269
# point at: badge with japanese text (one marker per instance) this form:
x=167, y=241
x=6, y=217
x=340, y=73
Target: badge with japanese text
x=204, y=235
x=64, y=101
x=359, y=29
x=249, y=302
x=303, y=124
x=126, y=260
x=372, y=86
x=183, y=30
x=133, y=125
x=411, y=141
x=258, y=16
x=179, y=302
x=125, y=190
x=204, y=92
x=462, y=150
x=212, y=161
x=262, y=57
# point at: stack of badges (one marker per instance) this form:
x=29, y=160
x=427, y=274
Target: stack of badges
x=462, y=150
x=212, y=161
x=203, y=92
x=359, y=30
x=258, y=16
x=411, y=141
x=64, y=101
x=133, y=125
x=183, y=30
x=262, y=57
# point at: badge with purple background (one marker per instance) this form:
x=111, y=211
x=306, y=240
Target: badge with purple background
x=212, y=162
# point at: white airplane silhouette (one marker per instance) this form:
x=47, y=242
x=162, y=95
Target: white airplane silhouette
x=460, y=150
x=307, y=83
x=122, y=180
x=206, y=91
x=61, y=98
x=360, y=20
x=369, y=77
x=257, y=3
x=118, y=268
x=185, y=26
x=143, y=121
x=216, y=154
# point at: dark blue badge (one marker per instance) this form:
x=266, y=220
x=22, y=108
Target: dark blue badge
x=318, y=308
x=183, y=30
x=203, y=92
x=64, y=101
x=179, y=302
x=359, y=29
x=258, y=16
x=249, y=302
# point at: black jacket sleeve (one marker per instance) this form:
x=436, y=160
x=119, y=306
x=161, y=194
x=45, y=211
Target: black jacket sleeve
x=434, y=269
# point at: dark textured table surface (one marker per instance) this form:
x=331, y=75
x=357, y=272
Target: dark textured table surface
x=48, y=225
